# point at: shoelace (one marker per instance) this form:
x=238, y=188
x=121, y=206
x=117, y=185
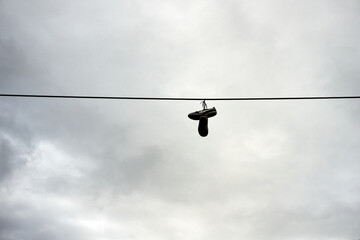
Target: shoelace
x=204, y=105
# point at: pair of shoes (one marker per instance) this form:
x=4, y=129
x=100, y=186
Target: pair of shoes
x=202, y=116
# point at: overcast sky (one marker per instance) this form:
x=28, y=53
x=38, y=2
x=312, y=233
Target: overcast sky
x=101, y=170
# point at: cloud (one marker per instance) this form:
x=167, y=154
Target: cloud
x=125, y=169
x=16, y=144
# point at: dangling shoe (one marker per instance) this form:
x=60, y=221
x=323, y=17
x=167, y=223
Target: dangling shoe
x=203, y=126
x=206, y=112
x=202, y=116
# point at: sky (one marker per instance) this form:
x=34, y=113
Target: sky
x=119, y=169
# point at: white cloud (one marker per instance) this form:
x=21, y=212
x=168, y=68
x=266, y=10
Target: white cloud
x=125, y=169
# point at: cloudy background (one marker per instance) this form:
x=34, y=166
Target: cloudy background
x=92, y=169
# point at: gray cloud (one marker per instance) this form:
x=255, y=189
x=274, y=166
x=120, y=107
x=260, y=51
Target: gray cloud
x=15, y=144
x=126, y=169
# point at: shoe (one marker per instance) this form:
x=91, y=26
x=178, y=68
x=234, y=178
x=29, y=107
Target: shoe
x=202, y=116
x=206, y=112
x=203, y=126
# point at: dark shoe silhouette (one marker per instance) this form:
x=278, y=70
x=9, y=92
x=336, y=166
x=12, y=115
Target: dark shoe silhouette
x=206, y=112
x=203, y=126
x=202, y=116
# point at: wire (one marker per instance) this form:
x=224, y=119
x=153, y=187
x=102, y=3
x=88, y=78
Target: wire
x=180, y=98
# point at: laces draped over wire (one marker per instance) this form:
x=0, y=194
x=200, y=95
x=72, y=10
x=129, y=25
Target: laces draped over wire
x=204, y=105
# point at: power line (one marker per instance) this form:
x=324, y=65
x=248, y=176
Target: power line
x=180, y=98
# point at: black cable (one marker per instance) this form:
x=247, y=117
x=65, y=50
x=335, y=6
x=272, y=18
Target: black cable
x=179, y=98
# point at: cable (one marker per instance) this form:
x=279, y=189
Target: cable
x=180, y=98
